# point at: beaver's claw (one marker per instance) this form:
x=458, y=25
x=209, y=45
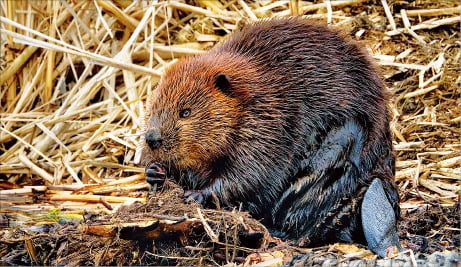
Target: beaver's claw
x=155, y=175
x=195, y=196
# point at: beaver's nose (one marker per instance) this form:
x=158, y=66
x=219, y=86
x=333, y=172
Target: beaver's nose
x=154, y=138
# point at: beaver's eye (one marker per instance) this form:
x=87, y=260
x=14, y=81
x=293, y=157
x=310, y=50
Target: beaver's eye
x=184, y=113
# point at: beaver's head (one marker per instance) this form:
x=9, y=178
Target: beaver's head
x=195, y=112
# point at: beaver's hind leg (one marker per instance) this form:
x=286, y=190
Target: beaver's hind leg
x=378, y=220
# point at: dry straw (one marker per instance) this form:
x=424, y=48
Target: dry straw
x=75, y=76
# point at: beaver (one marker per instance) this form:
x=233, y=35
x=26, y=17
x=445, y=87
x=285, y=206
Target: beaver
x=287, y=118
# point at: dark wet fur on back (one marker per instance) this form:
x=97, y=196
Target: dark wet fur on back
x=295, y=131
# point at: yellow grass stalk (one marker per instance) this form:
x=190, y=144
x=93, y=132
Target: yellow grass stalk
x=126, y=20
x=95, y=198
x=429, y=24
x=36, y=169
x=420, y=92
x=49, y=81
x=215, y=6
x=247, y=10
x=434, y=12
x=388, y=13
x=67, y=48
x=14, y=67
x=313, y=7
x=199, y=11
x=407, y=25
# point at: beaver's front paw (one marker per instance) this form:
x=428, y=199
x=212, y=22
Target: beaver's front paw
x=198, y=196
x=155, y=175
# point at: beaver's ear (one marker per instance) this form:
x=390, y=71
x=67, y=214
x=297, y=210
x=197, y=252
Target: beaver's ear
x=222, y=83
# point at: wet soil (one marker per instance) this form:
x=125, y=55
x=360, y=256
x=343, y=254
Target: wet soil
x=425, y=229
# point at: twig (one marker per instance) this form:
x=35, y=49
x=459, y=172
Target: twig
x=199, y=11
x=389, y=16
x=67, y=48
x=206, y=226
x=95, y=198
x=314, y=7
x=434, y=12
x=329, y=11
x=406, y=23
x=421, y=91
x=36, y=169
x=18, y=62
x=425, y=25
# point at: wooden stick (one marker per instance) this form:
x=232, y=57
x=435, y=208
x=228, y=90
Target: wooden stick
x=14, y=67
x=95, y=198
x=78, y=52
x=421, y=91
x=28, y=145
x=52, y=135
x=247, y=10
x=51, y=55
x=67, y=48
x=206, y=226
x=18, y=191
x=199, y=11
x=388, y=13
x=406, y=145
x=433, y=187
x=36, y=169
x=425, y=25
x=406, y=23
x=121, y=16
x=434, y=12
x=127, y=180
x=294, y=7
x=215, y=6
x=402, y=65
x=329, y=11
x=314, y=7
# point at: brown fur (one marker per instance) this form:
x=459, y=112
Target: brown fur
x=263, y=141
